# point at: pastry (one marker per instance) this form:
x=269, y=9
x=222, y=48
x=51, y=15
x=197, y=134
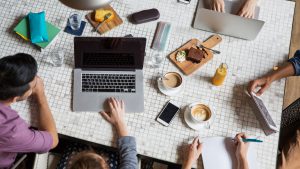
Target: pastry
x=195, y=55
x=100, y=13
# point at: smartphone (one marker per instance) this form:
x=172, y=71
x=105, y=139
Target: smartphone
x=184, y=1
x=168, y=113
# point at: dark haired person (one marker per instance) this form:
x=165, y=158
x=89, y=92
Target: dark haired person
x=290, y=153
x=82, y=157
x=18, y=81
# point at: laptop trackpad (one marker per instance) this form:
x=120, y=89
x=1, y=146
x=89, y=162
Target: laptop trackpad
x=97, y=102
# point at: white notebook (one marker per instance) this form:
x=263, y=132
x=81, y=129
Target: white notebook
x=219, y=152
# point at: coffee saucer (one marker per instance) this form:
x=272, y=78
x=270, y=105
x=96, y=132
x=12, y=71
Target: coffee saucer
x=191, y=123
x=168, y=92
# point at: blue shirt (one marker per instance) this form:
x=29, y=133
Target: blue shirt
x=296, y=62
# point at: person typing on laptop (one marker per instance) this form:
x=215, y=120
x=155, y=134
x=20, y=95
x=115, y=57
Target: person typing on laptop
x=290, y=153
x=18, y=81
x=126, y=143
x=247, y=10
x=195, y=150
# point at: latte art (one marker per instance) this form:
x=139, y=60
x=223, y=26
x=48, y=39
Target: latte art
x=201, y=112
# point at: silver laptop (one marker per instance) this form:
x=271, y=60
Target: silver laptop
x=227, y=23
x=108, y=67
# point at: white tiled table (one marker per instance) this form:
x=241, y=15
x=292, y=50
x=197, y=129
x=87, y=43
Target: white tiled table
x=246, y=60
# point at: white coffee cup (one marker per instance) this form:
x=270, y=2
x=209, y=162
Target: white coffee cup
x=201, y=113
x=172, y=81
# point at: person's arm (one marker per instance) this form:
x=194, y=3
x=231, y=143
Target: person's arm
x=241, y=151
x=127, y=151
x=282, y=72
x=265, y=82
x=248, y=9
x=45, y=119
x=242, y=164
x=289, y=69
x=126, y=143
x=195, y=150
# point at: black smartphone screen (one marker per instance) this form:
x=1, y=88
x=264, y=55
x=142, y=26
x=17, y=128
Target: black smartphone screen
x=168, y=113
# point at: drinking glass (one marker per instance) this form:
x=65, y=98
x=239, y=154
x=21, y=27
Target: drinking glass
x=75, y=21
x=57, y=57
x=155, y=59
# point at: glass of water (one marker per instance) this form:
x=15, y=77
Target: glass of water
x=75, y=20
x=57, y=57
x=155, y=59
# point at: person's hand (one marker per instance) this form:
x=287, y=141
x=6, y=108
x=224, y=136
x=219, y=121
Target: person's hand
x=115, y=116
x=38, y=86
x=195, y=149
x=218, y=5
x=264, y=83
x=241, y=147
x=248, y=9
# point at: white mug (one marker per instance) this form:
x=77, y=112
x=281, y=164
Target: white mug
x=172, y=81
x=204, y=114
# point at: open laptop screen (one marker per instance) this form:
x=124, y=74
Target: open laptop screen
x=109, y=52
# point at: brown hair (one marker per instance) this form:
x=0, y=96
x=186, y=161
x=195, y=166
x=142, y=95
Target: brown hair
x=87, y=160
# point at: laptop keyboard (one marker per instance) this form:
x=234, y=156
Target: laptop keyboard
x=122, y=83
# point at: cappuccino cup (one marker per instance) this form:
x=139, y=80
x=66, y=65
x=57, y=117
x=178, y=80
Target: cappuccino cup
x=200, y=113
x=172, y=81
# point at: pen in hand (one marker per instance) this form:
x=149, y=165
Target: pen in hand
x=250, y=140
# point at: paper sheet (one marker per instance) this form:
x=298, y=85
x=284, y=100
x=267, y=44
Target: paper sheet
x=219, y=152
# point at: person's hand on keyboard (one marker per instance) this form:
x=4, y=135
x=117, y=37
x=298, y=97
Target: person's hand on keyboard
x=218, y=5
x=115, y=116
x=248, y=9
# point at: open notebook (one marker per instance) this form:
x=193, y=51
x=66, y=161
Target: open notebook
x=219, y=152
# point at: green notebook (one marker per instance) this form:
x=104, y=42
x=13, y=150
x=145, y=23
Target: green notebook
x=22, y=29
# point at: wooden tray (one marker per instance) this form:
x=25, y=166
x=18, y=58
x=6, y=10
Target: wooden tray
x=188, y=67
x=116, y=21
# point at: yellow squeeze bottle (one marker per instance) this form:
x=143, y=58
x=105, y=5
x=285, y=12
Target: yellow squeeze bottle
x=220, y=75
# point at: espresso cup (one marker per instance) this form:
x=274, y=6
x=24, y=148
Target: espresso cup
x=200, y=113
x=172, y=81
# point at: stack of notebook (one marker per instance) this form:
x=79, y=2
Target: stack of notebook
x=22, y=29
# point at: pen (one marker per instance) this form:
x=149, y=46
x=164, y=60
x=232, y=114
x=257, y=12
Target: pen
x=252, y=140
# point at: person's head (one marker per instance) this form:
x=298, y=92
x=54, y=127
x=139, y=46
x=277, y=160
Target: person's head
x=17, y=77
x=87, y=160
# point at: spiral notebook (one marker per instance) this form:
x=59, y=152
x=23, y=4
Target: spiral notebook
x=219, y=152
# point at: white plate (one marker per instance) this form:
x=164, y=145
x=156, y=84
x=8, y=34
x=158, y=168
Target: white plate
x=168, y=92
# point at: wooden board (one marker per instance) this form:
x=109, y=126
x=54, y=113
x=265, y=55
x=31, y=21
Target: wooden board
x=106, y=26
x=292, y=85
x=188, y=67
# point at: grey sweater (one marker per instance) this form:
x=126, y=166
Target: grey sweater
x=128, y=154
